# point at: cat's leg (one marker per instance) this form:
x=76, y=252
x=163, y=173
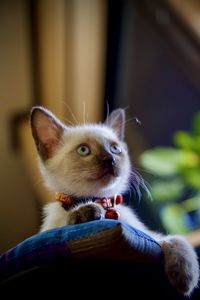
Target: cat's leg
x=85, y=212
x=54, y=216
x=181, y=262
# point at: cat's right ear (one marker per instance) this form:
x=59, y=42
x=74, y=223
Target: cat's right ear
x=46, y=130
x=116, y=120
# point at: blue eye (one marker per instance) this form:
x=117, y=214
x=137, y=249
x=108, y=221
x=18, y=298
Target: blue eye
x=83, y=150
x=115, y=149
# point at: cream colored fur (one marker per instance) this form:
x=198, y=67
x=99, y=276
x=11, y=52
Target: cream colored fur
x=64, y=172
x=67, y=172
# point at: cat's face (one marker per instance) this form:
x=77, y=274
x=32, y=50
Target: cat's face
x=83, y=161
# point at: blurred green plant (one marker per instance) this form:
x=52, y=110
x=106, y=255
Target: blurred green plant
x=176, y=170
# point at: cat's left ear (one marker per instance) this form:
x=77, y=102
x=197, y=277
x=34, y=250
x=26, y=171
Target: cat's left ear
x=47, y=131
x=116, y=120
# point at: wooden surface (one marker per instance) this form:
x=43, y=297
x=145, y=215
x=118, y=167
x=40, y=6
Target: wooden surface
x=71, y=45
x=189, y=12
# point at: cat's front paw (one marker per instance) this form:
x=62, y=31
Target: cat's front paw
x=181, y=264
x=85, y=213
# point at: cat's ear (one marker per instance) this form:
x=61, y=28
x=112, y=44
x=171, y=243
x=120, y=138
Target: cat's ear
x=46, y=130
x=116, y=120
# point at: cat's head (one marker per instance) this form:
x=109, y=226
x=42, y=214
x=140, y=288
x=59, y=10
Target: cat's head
x=85, y=160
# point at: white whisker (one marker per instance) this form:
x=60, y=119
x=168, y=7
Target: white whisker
x=84, y=120
x=144, y=171
x=72, y=114
x=107, y=110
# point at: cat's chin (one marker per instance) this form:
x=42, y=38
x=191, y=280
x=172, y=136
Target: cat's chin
x=105, y=185
x=105, y=178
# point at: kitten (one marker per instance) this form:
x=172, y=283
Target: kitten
x=91, y=161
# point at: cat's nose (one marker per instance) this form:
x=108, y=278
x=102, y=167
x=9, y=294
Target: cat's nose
x=110, y=164
x=109, y=161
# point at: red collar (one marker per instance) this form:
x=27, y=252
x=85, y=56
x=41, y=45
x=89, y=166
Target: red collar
x=108, y=203
x=63, y=198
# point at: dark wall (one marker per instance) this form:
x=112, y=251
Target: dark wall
x=145, y=73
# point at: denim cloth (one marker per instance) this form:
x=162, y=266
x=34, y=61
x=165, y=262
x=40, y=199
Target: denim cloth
x=58, y=244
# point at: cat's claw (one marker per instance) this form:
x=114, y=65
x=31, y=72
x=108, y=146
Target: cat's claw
x=181, y=264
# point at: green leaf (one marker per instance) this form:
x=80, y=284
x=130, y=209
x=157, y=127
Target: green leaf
x=196, y=123
x=188, y=159
x=167, y=190
x=172, y=217
x=184, y=140
x=161, y=161
x=197, y=144
x=192, y=177
x=191, y=204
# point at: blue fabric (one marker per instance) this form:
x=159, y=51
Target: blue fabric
x=57, y=244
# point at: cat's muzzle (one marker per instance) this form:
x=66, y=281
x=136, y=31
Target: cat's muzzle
x=110, y=166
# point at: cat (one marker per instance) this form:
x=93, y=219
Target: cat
x=91, y=161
